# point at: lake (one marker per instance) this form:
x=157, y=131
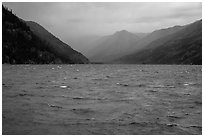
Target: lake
x=102, y=99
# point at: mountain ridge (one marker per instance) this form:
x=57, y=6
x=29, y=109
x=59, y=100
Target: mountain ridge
x=63, y=50
x=112, y=46
x=20, y=45
x=181, y=47
x=138, y=41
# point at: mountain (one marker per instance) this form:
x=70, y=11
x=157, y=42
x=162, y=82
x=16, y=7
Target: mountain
x=122, y=43
x=153, y=36
x=56, y=46
x=183, y=45
x=113, y=46
x=28, y=42
x=84, y=43
x=141, y=35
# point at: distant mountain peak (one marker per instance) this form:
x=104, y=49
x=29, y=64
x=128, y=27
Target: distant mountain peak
x=174, y=45
x=113, y=46
x=121, y=32
x=124, y=33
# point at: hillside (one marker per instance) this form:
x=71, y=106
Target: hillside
x=22, y=45
x=122, y=43
x=181, y=47
x=113, y=46
x=56, y=46
x=157, y=34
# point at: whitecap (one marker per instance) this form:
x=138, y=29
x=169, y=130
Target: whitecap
x=59, y=67
x=63, y=86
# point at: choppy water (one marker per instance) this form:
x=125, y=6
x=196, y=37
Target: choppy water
x=102, y=99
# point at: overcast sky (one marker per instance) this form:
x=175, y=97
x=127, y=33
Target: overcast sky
x=71, y=20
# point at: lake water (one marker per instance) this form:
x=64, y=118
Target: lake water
x=101, y=99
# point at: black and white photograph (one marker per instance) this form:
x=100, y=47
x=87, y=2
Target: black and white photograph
x=101, y=68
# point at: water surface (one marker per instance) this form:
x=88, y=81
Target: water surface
x=101, y=99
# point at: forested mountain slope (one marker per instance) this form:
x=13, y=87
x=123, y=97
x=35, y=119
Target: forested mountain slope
x=182, y=47
x=20, y=45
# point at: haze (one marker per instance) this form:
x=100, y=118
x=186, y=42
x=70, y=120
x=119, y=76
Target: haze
x=72, y=21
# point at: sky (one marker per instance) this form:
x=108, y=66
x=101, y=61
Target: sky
x=69, y=21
